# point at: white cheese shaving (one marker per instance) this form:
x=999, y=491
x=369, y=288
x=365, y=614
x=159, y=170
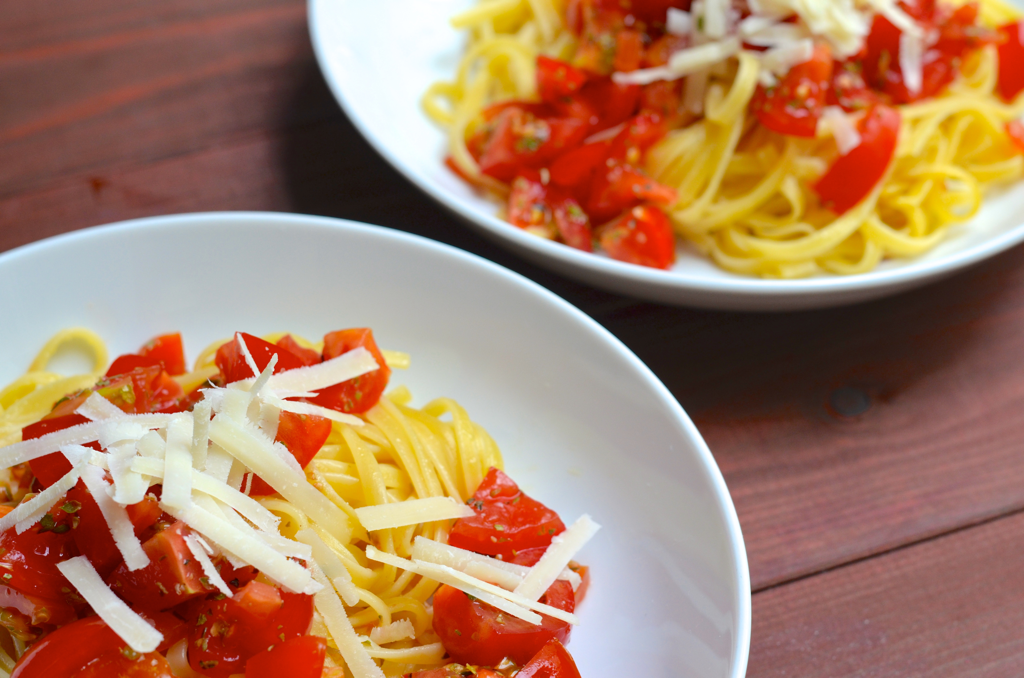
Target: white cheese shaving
x=393, y=632
x=151, y=445
x=911, y=61
x=355, y=363
x=411, y=512
x=253, y=551
x=678, y=22
x=177, y=485
x=446, y=575
x=694, y=59
x=716, y=17
x=236, y=476
x=270, y=416
x=97, y=408
x=209, y=569
x=344, y=636
x=28, y=513
x=331, y=565
x=117, y=519
x=310, y=408
x=504, y=574
x=27, y=450
x=246, y=354
x=201, y=414
x=836, y=122
x=563, y=549
x=128, y=625
x=257, y=453
x=253, y=511
x=218, y=463
x=778, y=60
x=129, y=487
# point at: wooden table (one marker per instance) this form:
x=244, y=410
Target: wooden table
x=873, y=452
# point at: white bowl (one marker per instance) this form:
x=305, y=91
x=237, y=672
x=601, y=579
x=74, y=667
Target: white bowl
x=379, y=58
x=583, y=424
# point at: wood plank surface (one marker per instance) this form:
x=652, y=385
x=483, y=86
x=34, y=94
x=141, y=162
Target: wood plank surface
x=872, y=451
x=947, y=607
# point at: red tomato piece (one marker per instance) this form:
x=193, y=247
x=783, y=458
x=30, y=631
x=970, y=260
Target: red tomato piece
x=1011, y=60
x=303, y=435
x=637, y=135
x=506, y=520
x=127, y=663
x=168, y=350
x=128, y=362
x=52, y=467
x=233, y=366
x=361, y=393
x=852, y=176
x=663, y=98
x=794, y=106
x=573, y=225
x=301, y=657
x=172, y=576
x=849, y=90
x=528, y=205
x=557, y=79
x=629, y=50
x=576, y=166
x=518, y=139
x=307, y=356
x=473, y=632
x=1015, y=130
x=226, y=633
x=74, y=647
x=30, y=559
x=622, y=186
x=643, y=236
x=552, y=661
x=456, y=671
x=92, y=536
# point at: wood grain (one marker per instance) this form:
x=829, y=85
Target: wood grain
x=952, y=606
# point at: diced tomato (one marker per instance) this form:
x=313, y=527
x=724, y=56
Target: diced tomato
x=473, y=632
x=226, y=633
x=528, y=202
x=643, y=236
x=306, y=356
x=169, y=350
x=794, y=106
x=849, y=90
x=126, y=663
x=233, y=366
x=573, y=225
x=1011, y=60
x=518, y=139
x=852, y=176
x=613, y=103
x=662, y=48
x=77, y=646
x=28, y=561
x=575, y=167
x=237, y=578
x=92, y=535
x=361, y=393
x=303, y=435
x=301, y=657
x=629, y=50
x=506, y=520
x=456, y=671
x=552, y=661
x=621, y=186
x=637, y=135
x=663, y=98
x=1015, y=130
x=172, y=576
x=557, y=79
x=128, y=362
x=52, y=467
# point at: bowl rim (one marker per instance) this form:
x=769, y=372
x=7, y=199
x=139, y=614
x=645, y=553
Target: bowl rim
x=721, y=493
x=664, y=286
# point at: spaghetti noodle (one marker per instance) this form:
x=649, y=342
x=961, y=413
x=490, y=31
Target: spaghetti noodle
x=751, y=189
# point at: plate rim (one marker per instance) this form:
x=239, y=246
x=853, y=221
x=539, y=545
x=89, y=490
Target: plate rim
x=740, y=655
x=726, y=293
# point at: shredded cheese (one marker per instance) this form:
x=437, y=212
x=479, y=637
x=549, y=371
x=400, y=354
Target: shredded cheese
x=393, y=632
x=504, y=574
x=331, y=565
x=117, y=519
x=209, y=569
x=28, y=513
x=131, y=628
x=177, y=485
x=330, y=608
x=563, y=548
x=411, y=512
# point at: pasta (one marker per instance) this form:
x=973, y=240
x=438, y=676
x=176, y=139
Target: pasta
x=750, y=198
x=376, y=615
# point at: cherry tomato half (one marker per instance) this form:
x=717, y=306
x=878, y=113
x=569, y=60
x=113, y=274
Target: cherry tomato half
x=643, y=236
x=852, y=176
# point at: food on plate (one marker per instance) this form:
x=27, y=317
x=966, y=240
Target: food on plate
x=781, y=138
x=270, y=512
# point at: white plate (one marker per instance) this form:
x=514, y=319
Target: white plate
x=379, y=58
x=583, y=424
